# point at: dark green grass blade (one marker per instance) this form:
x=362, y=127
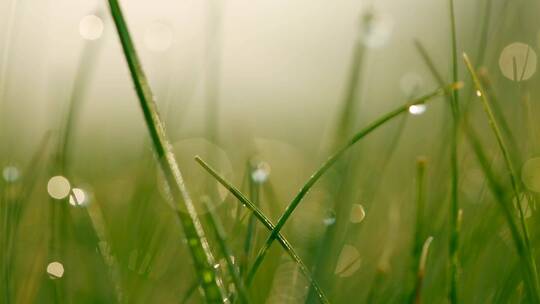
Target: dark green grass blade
x=505, y=203
x=268, y=224
x=219, y=231
x=332, y=160
x=454, y=200
x=418, y=230
x=511, y=171
x=197, y=243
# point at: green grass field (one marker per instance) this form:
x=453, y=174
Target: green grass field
x=269, y=152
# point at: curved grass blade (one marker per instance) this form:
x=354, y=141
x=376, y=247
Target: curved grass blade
x=503, y=200
x=197, y=243
x=268, y=224
x=331, y=160
x=421, y=270
x=219, y=231
x=506, y=156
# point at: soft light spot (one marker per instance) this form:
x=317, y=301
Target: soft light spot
x=410, y=84
x=375, y=29
x=357, y=214
x=349, y=261
x=58, y=187
x=77, y=197
x=158, y=37
x=260, y=173
x=91, y=27
x=478, y=93
x=55, y=270
x=11, y=174
x=530, y=174
x=417, y=109
x=518, y=61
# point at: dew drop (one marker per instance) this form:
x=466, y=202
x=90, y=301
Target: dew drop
x=55, y=270
x=330, y=218
x=260, y=173
x=91, y=27
x=58, y=187
x=357, y=214
x=518, y=61
x=11, y=174
x=417, y=109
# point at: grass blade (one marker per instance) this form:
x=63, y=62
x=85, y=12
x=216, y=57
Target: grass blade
x=454, y=200
x=219, y=231
x=503, y=200
x=197, y=243
x=268, y=224
x=418, y=230
x=506, y=156
x=421, y=270
x=331, y=160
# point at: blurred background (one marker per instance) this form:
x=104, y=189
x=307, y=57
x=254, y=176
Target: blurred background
x=260, y=90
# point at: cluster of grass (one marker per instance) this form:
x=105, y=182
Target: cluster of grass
x=147, y=237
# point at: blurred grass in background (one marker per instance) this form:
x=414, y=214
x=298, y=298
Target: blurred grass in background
x=264, y=93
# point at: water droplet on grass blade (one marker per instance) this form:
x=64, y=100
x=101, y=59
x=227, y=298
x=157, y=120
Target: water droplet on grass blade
x=349, y=261
x=11, y=174
x=357, y=214
x=58, y=187
x=55, y=270
x=260, y=173
x=417, y=109
x=330, y=218
x=91, y=27
x=518, y=61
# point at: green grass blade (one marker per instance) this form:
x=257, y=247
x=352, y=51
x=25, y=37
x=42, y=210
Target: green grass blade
x=418, y=230
x=219, y=231
x=268, y=224
x=331, y=160
x=421, y=270
x=454, y=200
x=506, y=156
x=197, y=243
x=506, y=206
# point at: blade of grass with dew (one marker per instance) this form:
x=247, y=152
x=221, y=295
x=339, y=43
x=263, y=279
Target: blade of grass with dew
x=454, y=200
x=419, y=229
x=268, y=224
x=421, y=271
x=332, y=160
x=506, y=156
x=504, y=202
x=196, y=239
x=219, y=231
